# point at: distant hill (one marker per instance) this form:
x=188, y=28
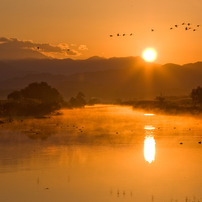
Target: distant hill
x=13, y=68
x=109, y=79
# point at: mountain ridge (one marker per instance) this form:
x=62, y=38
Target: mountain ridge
x=108, y=78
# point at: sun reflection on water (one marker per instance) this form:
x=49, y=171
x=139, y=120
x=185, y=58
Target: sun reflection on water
x=149, y=144
x=149, y=114
x=149, y=128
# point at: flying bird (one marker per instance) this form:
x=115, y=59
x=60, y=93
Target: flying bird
x=186, y=27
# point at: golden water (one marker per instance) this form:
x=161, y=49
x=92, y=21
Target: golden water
x=102, y=153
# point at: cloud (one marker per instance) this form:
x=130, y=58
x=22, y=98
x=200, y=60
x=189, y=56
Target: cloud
x=82, y=47
x=12, y=48
x=3, y=40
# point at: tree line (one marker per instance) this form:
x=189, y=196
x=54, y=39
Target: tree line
x=38, y=99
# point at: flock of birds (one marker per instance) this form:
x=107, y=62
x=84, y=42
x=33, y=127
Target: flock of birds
x=185, y=26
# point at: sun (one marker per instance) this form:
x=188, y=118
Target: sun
x=149, y=54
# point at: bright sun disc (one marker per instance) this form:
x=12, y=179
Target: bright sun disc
x=149, y=54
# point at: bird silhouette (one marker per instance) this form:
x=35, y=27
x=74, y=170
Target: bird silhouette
x=187, y=26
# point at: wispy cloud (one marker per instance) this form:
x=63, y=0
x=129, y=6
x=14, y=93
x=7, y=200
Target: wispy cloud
x=12, y=48
x=83, y=47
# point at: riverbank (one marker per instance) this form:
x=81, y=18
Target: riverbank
x=172, y=107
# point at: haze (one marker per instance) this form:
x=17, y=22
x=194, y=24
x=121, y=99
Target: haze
x=84, y=28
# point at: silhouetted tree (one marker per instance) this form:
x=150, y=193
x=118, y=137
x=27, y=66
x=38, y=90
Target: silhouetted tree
x=16, y=95
x=35, y=99
x=72, y=102
x=196, y=95
x=79, y=101
x=41, y=92
x=161, y=99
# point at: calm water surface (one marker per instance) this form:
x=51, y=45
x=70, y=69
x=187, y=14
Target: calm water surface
x=102, y=154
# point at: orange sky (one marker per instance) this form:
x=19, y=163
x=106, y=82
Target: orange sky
x=90, y=22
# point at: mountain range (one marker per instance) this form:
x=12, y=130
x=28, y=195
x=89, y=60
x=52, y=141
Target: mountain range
x=107, y=79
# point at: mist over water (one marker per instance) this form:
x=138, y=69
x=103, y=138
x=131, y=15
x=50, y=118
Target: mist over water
x=101, y=153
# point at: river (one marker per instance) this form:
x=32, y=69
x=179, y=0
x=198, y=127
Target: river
x=102, y=153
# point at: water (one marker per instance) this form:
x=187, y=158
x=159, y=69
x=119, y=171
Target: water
x=101, y=154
